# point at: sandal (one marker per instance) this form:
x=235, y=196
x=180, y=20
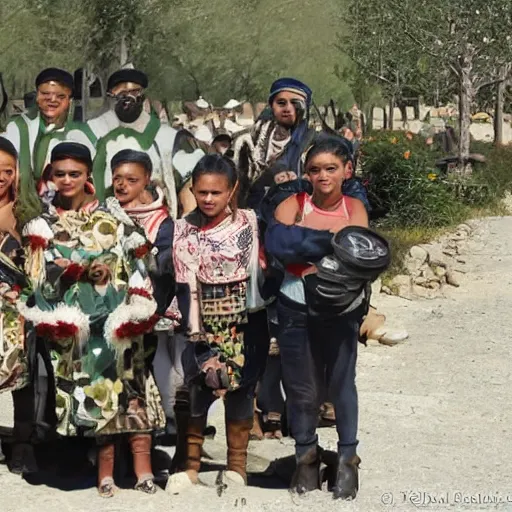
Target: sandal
x=147, y=486
x=107, y=489
x=272, y=426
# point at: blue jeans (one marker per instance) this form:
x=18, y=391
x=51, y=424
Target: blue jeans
x=313, y=349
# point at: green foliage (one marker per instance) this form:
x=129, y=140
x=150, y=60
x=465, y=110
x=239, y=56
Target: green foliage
x=495, y=173
x=219, y=49
x=403, y=180
x=421, y=208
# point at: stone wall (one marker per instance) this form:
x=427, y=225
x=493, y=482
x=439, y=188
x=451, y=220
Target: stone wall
x=429, y=268
x=479, y=131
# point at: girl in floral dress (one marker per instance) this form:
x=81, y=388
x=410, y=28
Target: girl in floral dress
x=216, y=254
x=91, y=306
x=14, y=364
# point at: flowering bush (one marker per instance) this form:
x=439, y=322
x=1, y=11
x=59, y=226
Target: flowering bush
x=404, y=184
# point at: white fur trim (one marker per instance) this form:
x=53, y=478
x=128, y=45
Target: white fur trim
x=134, y=310
x=62, y=313
x=133, y=241
x=38, y=227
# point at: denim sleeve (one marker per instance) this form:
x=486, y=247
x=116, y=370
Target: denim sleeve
x=296, y=244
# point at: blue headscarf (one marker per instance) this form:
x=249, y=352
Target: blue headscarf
x=291, y=85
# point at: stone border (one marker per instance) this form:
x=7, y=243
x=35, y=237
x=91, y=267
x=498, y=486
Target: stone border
x=429, y=268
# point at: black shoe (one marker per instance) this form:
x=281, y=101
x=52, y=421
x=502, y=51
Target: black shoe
x=209, y=432
x=23, y=460
x=347, y=478
x=307, y=474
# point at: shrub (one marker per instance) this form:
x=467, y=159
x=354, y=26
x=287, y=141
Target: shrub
x=495, y=173
x=402, y=181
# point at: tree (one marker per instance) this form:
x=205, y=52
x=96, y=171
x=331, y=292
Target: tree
x=470, y=38
x=221, y=49
x=381, y=54
x=466, y=41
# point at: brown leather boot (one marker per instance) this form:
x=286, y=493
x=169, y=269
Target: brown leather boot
x=237, y=435
x=195, y=440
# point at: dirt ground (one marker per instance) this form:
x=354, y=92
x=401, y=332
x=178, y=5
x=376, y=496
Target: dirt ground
x=435, y=416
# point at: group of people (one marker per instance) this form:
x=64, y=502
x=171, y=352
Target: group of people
x=142, y=278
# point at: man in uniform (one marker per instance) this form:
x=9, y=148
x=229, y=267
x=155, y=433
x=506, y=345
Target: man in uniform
x=127, y=125
x=37, y=132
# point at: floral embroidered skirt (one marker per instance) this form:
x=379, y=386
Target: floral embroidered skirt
x=101, y=392
x=14, y=372
x=223, y=310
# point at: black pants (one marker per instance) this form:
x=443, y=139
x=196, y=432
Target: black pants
x=309, y=347
x=270, y=398
x=34, y=405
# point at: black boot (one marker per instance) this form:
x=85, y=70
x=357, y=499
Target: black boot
x=23, y=460
x=347, y=478
x=182, y=414
x=307, y=475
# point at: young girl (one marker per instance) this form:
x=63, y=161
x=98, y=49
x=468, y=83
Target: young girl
x=145, y=204
x=216, y=255
x=88, y=268
x=14, y=364
x=307, y=344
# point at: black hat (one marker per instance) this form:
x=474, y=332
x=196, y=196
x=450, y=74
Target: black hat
x=8, y=147
x=278, y=167
x=127, y=75
x=223, y=137
x=130, y=156
x=72, y=150
x=56, y=75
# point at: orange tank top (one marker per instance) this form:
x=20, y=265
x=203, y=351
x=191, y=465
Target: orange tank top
x=315, y=218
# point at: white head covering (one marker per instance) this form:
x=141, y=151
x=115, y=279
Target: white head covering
x=202, y=103
x=232, y=104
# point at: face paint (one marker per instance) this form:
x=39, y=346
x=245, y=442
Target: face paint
x=128, y=107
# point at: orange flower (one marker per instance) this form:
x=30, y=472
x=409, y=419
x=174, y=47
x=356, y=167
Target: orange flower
x=409, y=135
x=407, y=155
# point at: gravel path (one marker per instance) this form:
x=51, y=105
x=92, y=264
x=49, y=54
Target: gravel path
x=435, y=416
